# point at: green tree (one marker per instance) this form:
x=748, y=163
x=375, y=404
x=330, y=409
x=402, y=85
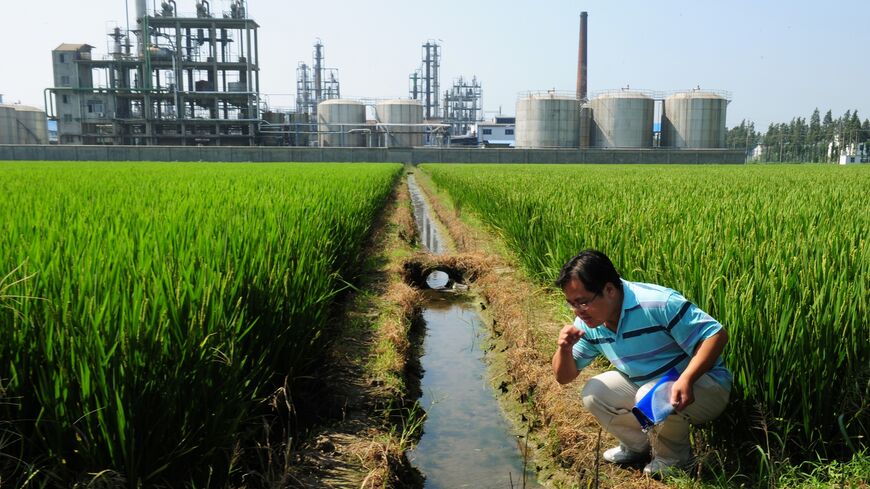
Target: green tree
x=853, y=129
x=828, y=132
x=742, y=137
x=797, y=131
x=814, y=136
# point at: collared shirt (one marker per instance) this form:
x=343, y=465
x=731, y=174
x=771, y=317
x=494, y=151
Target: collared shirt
x=658, y=329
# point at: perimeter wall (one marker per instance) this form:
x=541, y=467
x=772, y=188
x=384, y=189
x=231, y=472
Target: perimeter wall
x=400, y=155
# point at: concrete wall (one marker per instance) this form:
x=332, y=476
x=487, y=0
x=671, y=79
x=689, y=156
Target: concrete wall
x=401, y=155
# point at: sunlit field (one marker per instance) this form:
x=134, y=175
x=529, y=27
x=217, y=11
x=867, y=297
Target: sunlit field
x=780, y=255
x=149, y=309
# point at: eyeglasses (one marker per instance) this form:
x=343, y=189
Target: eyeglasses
x=583, y=305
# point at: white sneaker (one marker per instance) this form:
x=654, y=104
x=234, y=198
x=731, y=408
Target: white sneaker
x=623, y=456
x=659, y=467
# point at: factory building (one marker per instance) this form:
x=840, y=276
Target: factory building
x=499, y=132
x=192, y=78
x=177, y=79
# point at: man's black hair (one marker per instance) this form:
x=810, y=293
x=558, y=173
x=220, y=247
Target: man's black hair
x=592, y=268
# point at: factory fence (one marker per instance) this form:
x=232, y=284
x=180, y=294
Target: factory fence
x=400, y=155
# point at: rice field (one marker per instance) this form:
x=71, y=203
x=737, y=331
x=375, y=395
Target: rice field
x=148, y=309
x=778, y=254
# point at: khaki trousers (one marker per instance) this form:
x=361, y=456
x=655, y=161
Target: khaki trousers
x=610, y=397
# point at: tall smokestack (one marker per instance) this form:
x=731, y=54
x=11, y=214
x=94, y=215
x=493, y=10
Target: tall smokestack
x=581, y=59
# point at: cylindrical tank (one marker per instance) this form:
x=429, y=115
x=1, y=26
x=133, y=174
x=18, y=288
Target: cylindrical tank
x=339, y=123
x=622, y=119
x=694, y=119
x=274, y=117
x=396, y=118
x=8, y=125
x=302, y=130
x=585, y=126
x=32, y=125
x=548, y=120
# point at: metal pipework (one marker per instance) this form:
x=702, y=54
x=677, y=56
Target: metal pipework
x=318, y=73
x=203, y=9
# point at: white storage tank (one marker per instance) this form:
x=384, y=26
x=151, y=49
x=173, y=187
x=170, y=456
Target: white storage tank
x=401, y=122
x=694, y=119
x=32, y=125
x=8, y=125
x=548, y=120
x=340, y=123
x=585, y=126
x=622, y=119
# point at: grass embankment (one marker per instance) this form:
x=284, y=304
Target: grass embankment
x=531, y=225
x=374, y=371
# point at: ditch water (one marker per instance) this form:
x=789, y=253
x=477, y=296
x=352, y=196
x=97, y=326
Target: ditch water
x=466, y=441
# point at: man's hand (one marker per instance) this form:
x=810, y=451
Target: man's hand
x=682, y=394
x=569, y=336
x=706, y=354
x=563, y=360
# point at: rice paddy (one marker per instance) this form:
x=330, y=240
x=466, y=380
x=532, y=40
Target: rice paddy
x=149, y=309
x=778, y=254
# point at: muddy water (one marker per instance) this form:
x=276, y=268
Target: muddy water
x=466, y=441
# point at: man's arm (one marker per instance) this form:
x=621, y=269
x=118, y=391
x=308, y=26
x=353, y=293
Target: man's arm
x=706, y=355
x=563, y=360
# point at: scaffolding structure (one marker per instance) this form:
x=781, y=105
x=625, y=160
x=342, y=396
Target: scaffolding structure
x=462, y=106
x=424, y=83
x=316, y=83
x=192, y=80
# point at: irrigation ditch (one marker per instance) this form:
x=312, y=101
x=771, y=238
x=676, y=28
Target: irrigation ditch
x=465, y=441
x=450, y=387
x=561, y=442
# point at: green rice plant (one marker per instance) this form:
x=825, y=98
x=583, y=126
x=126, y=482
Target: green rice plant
x=779, y=255
x=175, y=298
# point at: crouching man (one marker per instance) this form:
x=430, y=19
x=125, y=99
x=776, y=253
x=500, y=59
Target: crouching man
x=644, y=330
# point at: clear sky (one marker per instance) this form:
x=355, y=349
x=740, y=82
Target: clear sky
x=778, y=59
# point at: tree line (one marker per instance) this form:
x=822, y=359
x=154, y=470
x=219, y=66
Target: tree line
x=820, y=140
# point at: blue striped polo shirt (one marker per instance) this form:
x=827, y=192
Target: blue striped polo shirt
x=658, y=329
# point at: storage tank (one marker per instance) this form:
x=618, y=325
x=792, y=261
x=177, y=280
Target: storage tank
x=302, y=130
x=548, y=120
x=622, y=119
x=585, y=126
x=32, y=125
x=397, y=117
x=339, y=122
x=694, y=119
x=274, y=117
x=8, y=126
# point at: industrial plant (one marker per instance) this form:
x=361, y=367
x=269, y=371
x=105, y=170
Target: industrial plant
x=177, y=78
